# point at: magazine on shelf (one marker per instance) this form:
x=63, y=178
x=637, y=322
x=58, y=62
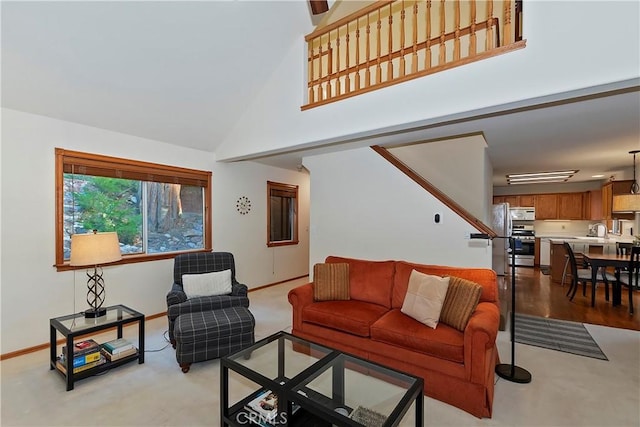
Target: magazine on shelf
x=265, y=405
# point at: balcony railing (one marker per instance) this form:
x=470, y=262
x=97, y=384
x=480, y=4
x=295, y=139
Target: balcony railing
x=389, y=42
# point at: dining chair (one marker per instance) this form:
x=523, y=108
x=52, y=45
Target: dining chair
x=583, y=275
x=632, y=279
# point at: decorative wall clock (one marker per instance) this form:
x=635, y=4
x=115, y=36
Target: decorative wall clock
x=243, y=205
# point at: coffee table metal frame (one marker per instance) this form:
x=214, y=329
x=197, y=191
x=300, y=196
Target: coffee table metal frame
x=292, y=390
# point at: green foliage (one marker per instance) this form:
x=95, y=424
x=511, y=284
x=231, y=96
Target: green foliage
x=111, y=204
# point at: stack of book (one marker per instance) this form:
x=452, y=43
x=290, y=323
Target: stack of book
x=86, y=354
x=117, y=349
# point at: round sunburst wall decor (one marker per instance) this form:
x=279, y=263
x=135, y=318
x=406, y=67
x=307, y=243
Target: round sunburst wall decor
x=243, y=205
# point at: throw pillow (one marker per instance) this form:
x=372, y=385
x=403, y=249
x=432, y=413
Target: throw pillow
x=425, y=295
x=331, y=281
x=461, y=300
x=207, y=284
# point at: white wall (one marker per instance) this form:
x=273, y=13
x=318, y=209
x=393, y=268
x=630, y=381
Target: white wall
x=32, y=291
x=363, y=207
x=457, y=167
x=571, y=45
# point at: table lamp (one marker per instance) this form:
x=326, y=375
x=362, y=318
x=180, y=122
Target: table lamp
x=95, y=249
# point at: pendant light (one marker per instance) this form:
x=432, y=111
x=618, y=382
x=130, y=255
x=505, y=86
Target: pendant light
x=629, y=202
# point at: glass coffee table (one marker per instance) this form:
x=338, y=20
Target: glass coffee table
x=295, y=382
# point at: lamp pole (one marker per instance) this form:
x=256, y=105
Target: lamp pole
x=509, y=371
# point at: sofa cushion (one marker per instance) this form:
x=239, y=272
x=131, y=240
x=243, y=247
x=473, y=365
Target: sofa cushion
x=461, y=299
x=331, y=281
x=353, y=316
x=401, y=330
x=369, y=281
x=425, y=296
x=483, y=276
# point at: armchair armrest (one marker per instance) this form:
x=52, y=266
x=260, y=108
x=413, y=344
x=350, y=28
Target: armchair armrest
x=480, y=341
x=216, y=302
x=176, y=295
x=238, y=289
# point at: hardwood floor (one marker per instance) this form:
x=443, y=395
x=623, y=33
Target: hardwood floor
x=536, y=295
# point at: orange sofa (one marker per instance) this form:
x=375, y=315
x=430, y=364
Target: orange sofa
x=457, y=367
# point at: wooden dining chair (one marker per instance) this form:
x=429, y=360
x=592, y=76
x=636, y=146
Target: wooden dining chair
x=583, y=275
x=631, y=277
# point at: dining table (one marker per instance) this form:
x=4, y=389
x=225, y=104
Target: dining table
x=618, y=262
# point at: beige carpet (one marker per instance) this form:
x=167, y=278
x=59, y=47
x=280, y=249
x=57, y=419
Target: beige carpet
x=566, y=390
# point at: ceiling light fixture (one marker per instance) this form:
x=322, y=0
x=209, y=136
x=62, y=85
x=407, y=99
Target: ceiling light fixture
x=540, y=177
x=597, y=176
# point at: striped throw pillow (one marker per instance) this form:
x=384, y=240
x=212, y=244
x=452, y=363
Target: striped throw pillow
x=460, y=302
x=331, y=281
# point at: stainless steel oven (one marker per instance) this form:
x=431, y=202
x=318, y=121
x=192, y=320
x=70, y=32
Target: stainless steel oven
x=525, y=244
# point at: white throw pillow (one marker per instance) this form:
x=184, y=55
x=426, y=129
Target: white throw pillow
x=207, y=284
x=425, y=296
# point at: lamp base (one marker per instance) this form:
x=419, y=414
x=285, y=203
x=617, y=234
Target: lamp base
x=92, y=313
x=514, y=374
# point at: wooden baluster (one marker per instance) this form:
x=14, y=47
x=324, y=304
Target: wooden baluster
x=338, y=85
x=311, y=60
x=320, y=76
x=329, y=93
x=390, y=61
x=401, y=73
x=427, y=56
x=456, y=40
x=367, y=74
x=357, y=82
x=414, y=56
x=347, y=79
x=472, y=38
x=507, y=35
x=442, y=57
x=489, y=37
x=378, y=67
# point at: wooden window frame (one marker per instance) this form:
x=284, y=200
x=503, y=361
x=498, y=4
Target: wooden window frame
x=278, y=186
x=114, y=167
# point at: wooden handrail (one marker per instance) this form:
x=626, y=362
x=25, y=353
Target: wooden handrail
x=391, y=41
x=442, y=197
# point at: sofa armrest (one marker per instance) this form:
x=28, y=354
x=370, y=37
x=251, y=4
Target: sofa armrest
x=299, y=298
x=480, y=341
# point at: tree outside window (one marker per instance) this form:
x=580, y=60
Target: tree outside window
x=282, y=214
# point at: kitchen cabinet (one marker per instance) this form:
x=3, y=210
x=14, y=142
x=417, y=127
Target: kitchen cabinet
x=558, y=259
x=527, y=200
x=498, y=199
x=512, y=200
x=546, y=206
x=592, y=205
x=609, y=190
x=570, y=206
x=536, y=253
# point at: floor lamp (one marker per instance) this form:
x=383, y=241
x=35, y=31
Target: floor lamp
x=510, y=371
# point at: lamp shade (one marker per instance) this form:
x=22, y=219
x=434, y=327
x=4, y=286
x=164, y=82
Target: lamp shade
x=94, y=248
x=626, y=203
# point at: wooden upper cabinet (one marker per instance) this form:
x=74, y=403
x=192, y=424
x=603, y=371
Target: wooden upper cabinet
x=546, y=206
x=609, y=190
x=498, y=199
x=570, y=206
x=527, y=200
x=512, y=200
x=592, y=205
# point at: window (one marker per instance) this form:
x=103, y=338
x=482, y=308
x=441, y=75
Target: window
x=282, y=214
x=156, y=210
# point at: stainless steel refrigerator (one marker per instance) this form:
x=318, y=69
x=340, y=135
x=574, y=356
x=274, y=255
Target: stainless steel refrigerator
x=501, y=224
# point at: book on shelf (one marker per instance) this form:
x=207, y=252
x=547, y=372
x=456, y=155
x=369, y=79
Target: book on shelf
x=63, y=368
x=121, y=355
x=117, y=346
x=82, y=347
x=85, y=359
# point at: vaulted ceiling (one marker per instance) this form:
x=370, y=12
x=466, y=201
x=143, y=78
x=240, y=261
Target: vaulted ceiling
x=182, y=72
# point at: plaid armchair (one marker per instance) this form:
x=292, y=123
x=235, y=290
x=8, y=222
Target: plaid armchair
x=196, y=263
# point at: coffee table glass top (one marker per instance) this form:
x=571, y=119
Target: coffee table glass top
x=294, y=356
x=365, y=392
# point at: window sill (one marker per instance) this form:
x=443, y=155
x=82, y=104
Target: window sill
x=283, y=243
x=130, y=259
